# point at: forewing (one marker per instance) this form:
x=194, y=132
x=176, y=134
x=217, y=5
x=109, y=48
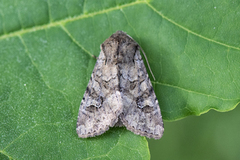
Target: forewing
x=100, y=106
x=141, y=112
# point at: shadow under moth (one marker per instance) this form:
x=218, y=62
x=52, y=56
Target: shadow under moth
x=119, y=92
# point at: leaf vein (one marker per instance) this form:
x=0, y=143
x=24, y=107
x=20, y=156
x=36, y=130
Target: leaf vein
x=64, y=21
x=49, y=12
x=6, y=154
x=19, y=137
x=187, y=90
x=188, y=30
x=75, y=41
x=115, y=144
x=35, y=65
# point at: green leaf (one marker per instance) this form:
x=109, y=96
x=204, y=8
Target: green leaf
x=46, y=50
x=214, y=135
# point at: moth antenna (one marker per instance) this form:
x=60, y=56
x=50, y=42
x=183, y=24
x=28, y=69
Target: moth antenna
x=147, y=63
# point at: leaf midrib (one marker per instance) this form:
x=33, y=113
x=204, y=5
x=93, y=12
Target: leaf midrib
x=64, y=21
x=70, y=19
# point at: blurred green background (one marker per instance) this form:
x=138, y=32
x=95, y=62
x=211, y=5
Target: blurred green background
x=213, y=135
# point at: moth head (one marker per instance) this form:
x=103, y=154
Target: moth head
x=120, y=47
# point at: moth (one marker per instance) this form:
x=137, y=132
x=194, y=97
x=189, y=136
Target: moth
x=119, y=92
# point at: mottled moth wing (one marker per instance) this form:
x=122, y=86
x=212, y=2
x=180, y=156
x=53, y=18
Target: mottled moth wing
x=141, y=112
x=120, y=92
x=101, y=103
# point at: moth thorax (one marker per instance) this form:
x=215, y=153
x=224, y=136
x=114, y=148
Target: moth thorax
x=126, y=52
